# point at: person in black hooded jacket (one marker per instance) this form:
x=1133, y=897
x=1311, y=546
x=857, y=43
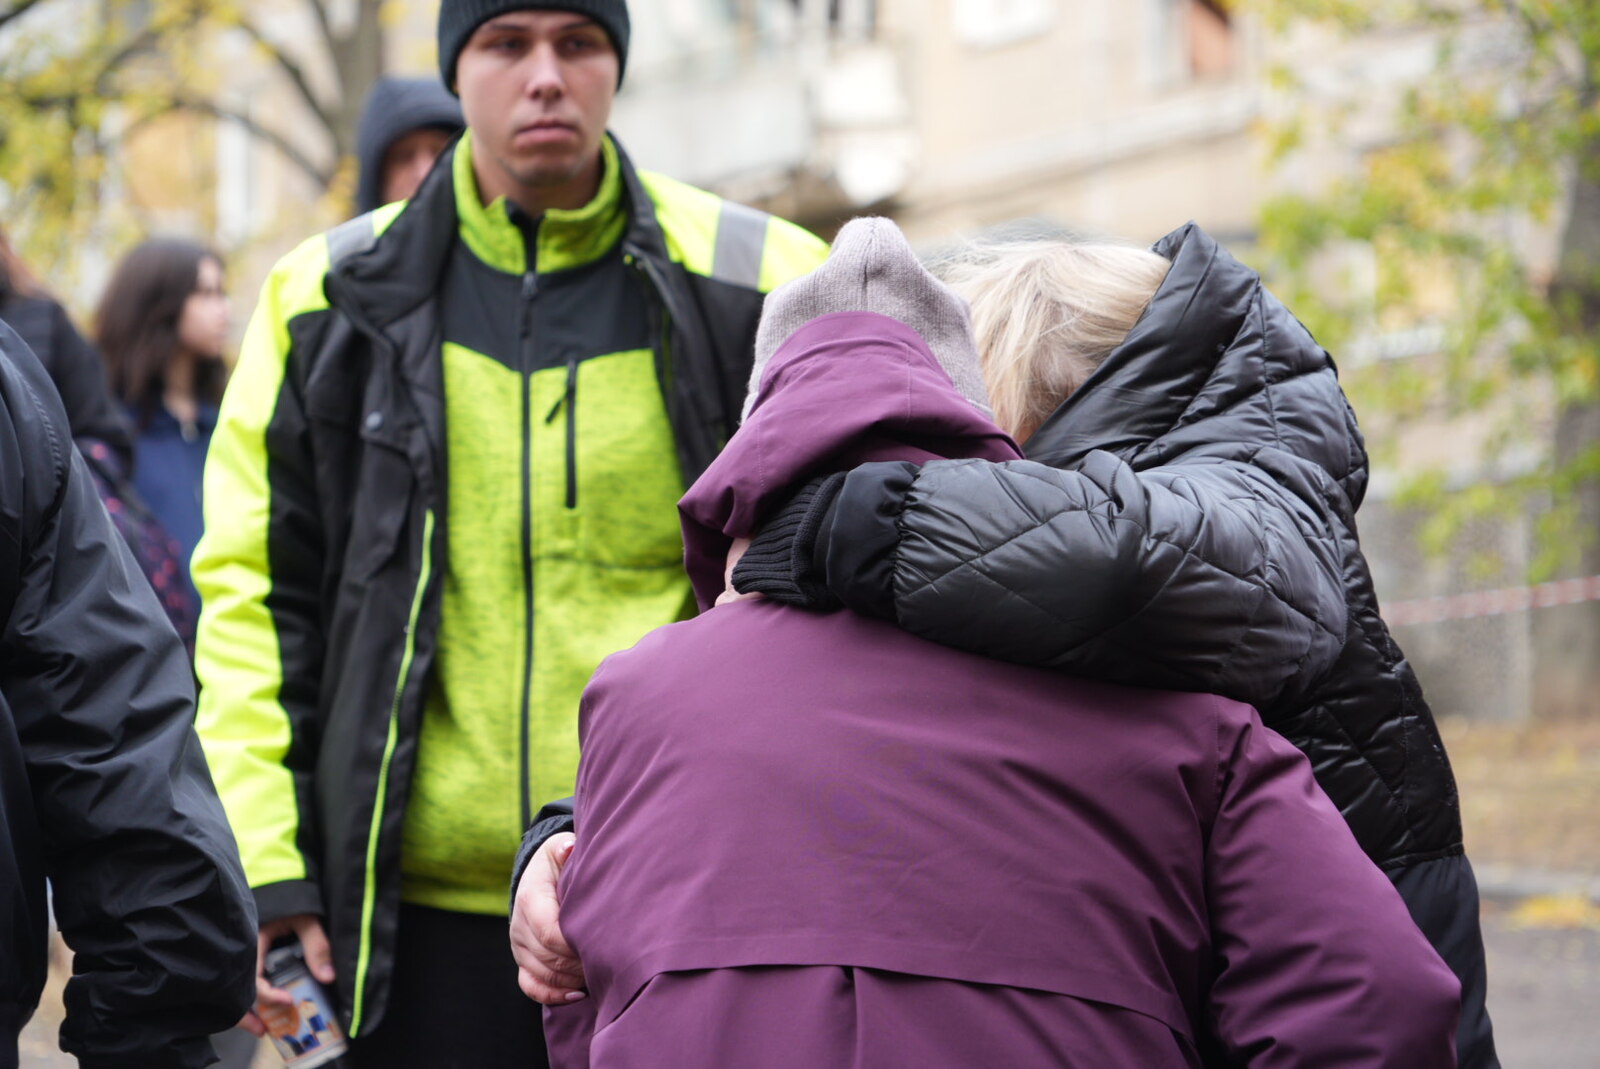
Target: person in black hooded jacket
x=405, y=123
x=1180, y=523
x=74, y=366
x=103, y=788
x=1186, y=520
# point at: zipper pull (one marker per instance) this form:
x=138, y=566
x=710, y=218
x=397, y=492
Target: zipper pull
x=530, y=286
x=564, y=398
x=569, y=398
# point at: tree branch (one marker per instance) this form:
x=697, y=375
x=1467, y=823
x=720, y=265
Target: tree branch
x=292, y=70
x=1541, y=30
x=323, y=177
x=16, y=9
x=146, y=38
x=330, y=40
x=1536, y=28
x=99, y=86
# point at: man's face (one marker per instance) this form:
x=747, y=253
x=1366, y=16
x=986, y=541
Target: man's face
x=408, y=159
x=536, y=88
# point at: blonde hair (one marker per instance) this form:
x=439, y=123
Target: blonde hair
x=1046, y=313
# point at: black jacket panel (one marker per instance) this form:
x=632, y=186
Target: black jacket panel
x=105, y=791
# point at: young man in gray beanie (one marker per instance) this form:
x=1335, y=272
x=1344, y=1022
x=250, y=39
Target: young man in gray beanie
x=442, y=488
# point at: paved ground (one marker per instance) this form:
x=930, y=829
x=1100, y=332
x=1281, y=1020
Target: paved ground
x=1544, y=984
x=1531, y=804
x=1544, y=979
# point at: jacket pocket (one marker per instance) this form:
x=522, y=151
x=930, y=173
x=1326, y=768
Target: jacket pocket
x=382, y=508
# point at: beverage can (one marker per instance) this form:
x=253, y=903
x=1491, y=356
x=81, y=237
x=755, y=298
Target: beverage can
x=305, y=1033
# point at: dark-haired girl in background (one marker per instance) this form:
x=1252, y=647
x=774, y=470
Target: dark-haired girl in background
x=162, y=326
x=100, y=430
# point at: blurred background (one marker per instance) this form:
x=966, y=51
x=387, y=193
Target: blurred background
x=1418, y=179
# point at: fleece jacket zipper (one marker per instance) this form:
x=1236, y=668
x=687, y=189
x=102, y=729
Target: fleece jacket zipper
x=530, y=291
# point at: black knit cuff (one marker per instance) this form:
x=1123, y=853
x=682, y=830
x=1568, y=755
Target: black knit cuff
x=287, y=898
x=554, y=818
x=778, y=563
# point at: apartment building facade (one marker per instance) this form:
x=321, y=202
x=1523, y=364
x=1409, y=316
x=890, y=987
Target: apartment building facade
x=963, y=117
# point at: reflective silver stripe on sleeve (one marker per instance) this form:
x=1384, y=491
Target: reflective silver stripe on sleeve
x=350, y=238
x=741, y=237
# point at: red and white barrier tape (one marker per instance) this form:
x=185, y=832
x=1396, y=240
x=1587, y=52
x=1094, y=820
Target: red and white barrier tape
x=1492, y=602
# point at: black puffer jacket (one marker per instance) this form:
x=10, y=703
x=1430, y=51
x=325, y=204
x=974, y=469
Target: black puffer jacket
x=103, y=789
x=1187, y=520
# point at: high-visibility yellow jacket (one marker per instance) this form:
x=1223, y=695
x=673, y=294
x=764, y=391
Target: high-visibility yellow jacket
x=441, y=489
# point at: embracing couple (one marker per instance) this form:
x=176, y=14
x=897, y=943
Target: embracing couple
x=817, y=838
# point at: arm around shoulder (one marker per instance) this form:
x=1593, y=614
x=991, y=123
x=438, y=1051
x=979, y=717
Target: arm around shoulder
x=1207, y=577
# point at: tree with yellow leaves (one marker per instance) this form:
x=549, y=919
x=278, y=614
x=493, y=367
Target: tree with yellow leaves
x=1476, y=198
x=84, y=77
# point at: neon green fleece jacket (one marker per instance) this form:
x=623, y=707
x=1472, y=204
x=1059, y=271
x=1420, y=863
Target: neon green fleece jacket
x=441, y=489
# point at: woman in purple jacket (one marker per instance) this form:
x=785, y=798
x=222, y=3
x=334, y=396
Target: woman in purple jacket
x=818, y=840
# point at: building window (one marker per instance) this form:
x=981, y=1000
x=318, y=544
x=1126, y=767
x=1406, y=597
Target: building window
x=1210, y=39
x=995, y=23
x=849, y=16
x=241, y=209
x=1189, y=40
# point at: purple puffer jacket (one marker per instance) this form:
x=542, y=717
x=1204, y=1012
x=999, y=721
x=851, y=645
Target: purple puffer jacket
x=763, y=786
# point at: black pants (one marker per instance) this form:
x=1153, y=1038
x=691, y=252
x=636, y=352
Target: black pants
x=454, y=1003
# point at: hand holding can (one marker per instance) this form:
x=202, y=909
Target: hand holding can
x=305, y=1030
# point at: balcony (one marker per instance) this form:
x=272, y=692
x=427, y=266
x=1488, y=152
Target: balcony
x=800, y=107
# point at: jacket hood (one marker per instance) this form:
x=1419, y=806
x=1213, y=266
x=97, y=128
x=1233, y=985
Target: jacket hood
x=845, y=389
x=394, y=107
x=1216, y=367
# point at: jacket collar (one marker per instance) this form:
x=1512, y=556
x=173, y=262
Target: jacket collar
x=845, y=389
x=1215, y=366
x=564, y=238
x=643, y=236
x=403, y=266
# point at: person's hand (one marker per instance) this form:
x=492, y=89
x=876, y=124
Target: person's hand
x=548, y=970
x=319, y=959
x=728, y=594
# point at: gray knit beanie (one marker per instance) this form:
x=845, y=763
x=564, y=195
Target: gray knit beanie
x=872, y=268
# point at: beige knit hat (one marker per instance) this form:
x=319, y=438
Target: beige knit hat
x=872, y=268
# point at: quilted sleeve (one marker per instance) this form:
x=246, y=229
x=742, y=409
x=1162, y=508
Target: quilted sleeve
x=1207, y=576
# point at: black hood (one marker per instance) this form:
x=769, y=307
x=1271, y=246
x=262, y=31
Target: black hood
x=394, y=107
x=1216, y=365
x=75, y=368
